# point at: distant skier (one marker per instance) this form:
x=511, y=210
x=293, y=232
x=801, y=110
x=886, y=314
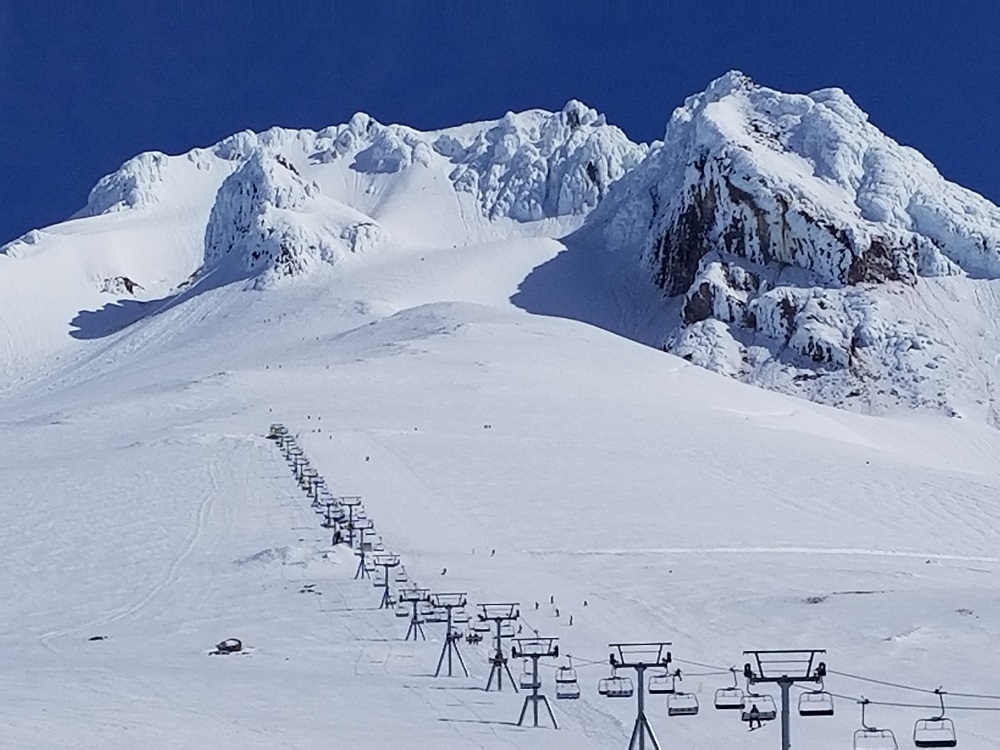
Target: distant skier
x=338, y=537
x=755, y=717
x=443, y=571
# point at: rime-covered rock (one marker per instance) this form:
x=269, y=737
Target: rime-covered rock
x=782, y=222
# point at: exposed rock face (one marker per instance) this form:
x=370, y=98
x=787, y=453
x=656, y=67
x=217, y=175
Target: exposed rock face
x=782, y=221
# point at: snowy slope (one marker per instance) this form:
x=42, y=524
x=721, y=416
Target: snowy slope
x=262, y=207
x=611, y=473
x=811, y=253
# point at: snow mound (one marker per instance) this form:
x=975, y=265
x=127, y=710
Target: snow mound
x=782, y=222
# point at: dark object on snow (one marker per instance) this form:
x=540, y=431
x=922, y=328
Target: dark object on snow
x=97, y=638
x=229, y=646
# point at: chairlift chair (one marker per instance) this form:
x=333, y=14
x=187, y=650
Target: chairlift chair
x=566, y=675
x=730, y=698
x=682, y=704
x=402, y=610
x=618, y=687
x=602, y=686
x=436, y=615
x=527, y=680
x=480, y=626
x=459, y=615
x=568, y=690
x=938, y=731
x=766, y=710
x=567, y=686
x=401, y=576
x=660, y=684
x=872, y=738
x=507, y=629
x=816, y=703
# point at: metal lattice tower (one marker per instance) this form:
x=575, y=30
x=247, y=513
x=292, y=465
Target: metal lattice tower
x=499, y=614
x=535, y=648
x=450, y=602
x=415, y=596
x=386, y=562
x=640, y=657
x=785, y=668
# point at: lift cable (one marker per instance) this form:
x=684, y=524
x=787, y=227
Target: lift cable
x=911, y=688
x=897, y=704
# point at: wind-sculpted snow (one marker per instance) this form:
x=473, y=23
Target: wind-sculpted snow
x=541, y=164
x=269, y=222
x=526, y=166
x=787, y=218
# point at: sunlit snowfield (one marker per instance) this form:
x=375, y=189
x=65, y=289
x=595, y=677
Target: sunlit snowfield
x=143, y=503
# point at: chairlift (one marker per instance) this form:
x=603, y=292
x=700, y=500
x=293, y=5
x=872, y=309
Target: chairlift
x=568, y=690
x=400, y=576
x=816, y=703
x=527, y=680
x=402, y=610
x=660, y=684
x=872, y=738
x=507, y=629
x=459, y=615
x=680, y=703
x=480, y=626
x=436, y=615
x=618, y=687
x=730, y=698
x=567, y=686
x=766, y=710
x=566, y=675
x=938, y=731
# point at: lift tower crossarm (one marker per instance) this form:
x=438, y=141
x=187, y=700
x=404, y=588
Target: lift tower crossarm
x=785, y=668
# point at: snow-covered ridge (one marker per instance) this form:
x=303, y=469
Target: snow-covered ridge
x=526, y=166
x=777, y=218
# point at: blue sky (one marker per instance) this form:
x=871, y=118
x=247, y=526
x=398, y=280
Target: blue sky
x=84, y=86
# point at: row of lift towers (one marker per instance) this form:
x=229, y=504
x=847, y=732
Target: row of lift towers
x=347, y=518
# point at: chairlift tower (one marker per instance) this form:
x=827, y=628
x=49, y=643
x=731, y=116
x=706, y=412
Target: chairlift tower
x=785, y=668
x=386, y=562
x=415, y=596
x=499, y=614
x=363, y=547
x=640, y=657
x=329, y=515
x=535, y=649
x=351, y=502
x=450, y=602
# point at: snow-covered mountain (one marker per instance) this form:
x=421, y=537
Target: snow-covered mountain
x=780, y=239
x=367, y=285
x=813, y=254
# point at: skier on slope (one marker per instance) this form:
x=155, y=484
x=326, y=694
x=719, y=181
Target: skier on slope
x=755, y=717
